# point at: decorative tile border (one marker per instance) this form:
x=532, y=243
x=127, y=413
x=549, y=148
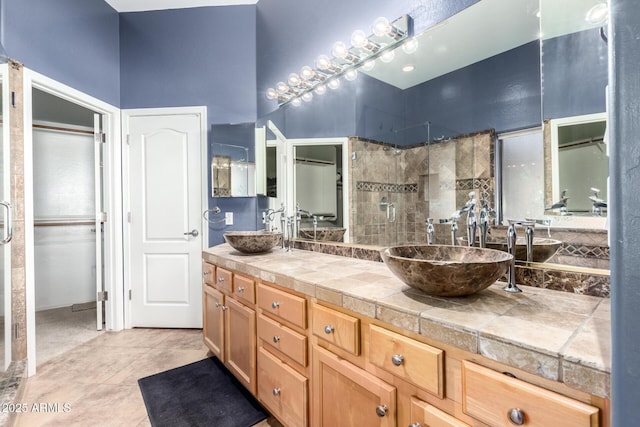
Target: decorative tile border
x=386, y=187
x=584, y=251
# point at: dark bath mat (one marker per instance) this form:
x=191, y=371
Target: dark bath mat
x=203, y=393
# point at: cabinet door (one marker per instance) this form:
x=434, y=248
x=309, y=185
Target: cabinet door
x=213, y=321
x=425, y=415
x=240, y=340
x=347, y=396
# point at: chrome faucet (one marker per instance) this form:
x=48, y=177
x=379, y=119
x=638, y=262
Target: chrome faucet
x=597, y=204
x=485, y=212
x=430, y=231
x=454, y=226
x=511, y=247
x=469, y=208
x=290, y=228
x=299, y=213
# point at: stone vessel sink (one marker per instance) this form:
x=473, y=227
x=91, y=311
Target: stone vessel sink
x=324, y=234
x=543, y=248
x=252, y=242
x=444, y=270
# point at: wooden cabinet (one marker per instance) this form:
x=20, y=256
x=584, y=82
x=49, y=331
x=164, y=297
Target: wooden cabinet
x=348, y=396
x=282, y=390
x=229, y=329
x=425, y=415
x=240, y=343
x=501, y=400
x=213, y=320
x=285, y=306
x=283, y=339
x=311, y=364
x=337, y=328
x=406, y=358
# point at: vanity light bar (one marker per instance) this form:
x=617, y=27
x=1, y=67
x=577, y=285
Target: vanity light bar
x=385, y=37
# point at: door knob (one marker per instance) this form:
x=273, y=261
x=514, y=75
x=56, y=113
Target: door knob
x=193, y=233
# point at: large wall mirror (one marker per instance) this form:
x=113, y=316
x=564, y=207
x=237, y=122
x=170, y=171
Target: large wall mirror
x=423, y=142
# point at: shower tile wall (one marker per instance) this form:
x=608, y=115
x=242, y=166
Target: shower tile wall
x=422, y=181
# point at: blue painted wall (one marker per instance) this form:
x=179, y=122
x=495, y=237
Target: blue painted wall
x=566, y=91
x=196, y=56
x=624, y=40
x=75, y=42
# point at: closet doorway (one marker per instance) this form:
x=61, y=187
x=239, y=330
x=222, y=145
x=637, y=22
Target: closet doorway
x=67, y=182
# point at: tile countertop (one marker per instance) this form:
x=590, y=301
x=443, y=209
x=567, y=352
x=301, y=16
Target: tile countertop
x=556, y=335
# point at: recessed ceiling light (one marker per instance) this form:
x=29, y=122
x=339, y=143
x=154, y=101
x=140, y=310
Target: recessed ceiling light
x=598, y=14
x=408, y=68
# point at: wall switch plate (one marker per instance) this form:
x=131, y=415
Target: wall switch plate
x=228, y=218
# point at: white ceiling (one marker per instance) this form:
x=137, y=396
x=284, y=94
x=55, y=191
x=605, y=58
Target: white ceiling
x=141, y=5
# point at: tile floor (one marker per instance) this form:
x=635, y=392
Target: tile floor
x=94, y=383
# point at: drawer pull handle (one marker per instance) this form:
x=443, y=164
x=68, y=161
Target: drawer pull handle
x=397, y=359
x=516, y=416
x=275, y=305
x=415, y=425
x=240, y=289
x=220, y=279
x=276, y=391
x=217, y=305
x=206, y=273
x=276, y=339
x=381, y=410
x=224, y=308
x=329, y=329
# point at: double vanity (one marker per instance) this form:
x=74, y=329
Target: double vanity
x=338, y=340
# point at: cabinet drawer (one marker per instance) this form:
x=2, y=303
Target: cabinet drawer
x=244, y=289
x=284, y=339
x=337, y=328
x=492, y=397
x=282, y=390
x=427, y=415
x=208, y=273
x=282, y=304
x=408, y=359
x=223, y=279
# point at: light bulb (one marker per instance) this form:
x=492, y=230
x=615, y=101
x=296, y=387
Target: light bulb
x=321, y=89
x=323, y=62
x=272, y=93
x=598, y=14
x=296, y=102
x=351, y=75
x=388, y=56
x=294, y=79
x=307, y=72
x=368, y=65
x=307, y=96
x=410, y=46
x=282, y=88
x=334, y=84
x=381, y=27
x=359, y=39
x=339, y=50
x=408, y=68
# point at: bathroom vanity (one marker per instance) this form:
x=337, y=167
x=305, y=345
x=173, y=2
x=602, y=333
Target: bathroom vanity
x=326, y=340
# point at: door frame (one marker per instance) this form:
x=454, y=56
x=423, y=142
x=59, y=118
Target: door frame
x=112, y=190
x=201, y=112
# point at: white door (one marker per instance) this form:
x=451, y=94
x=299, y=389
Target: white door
x=165, y=199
